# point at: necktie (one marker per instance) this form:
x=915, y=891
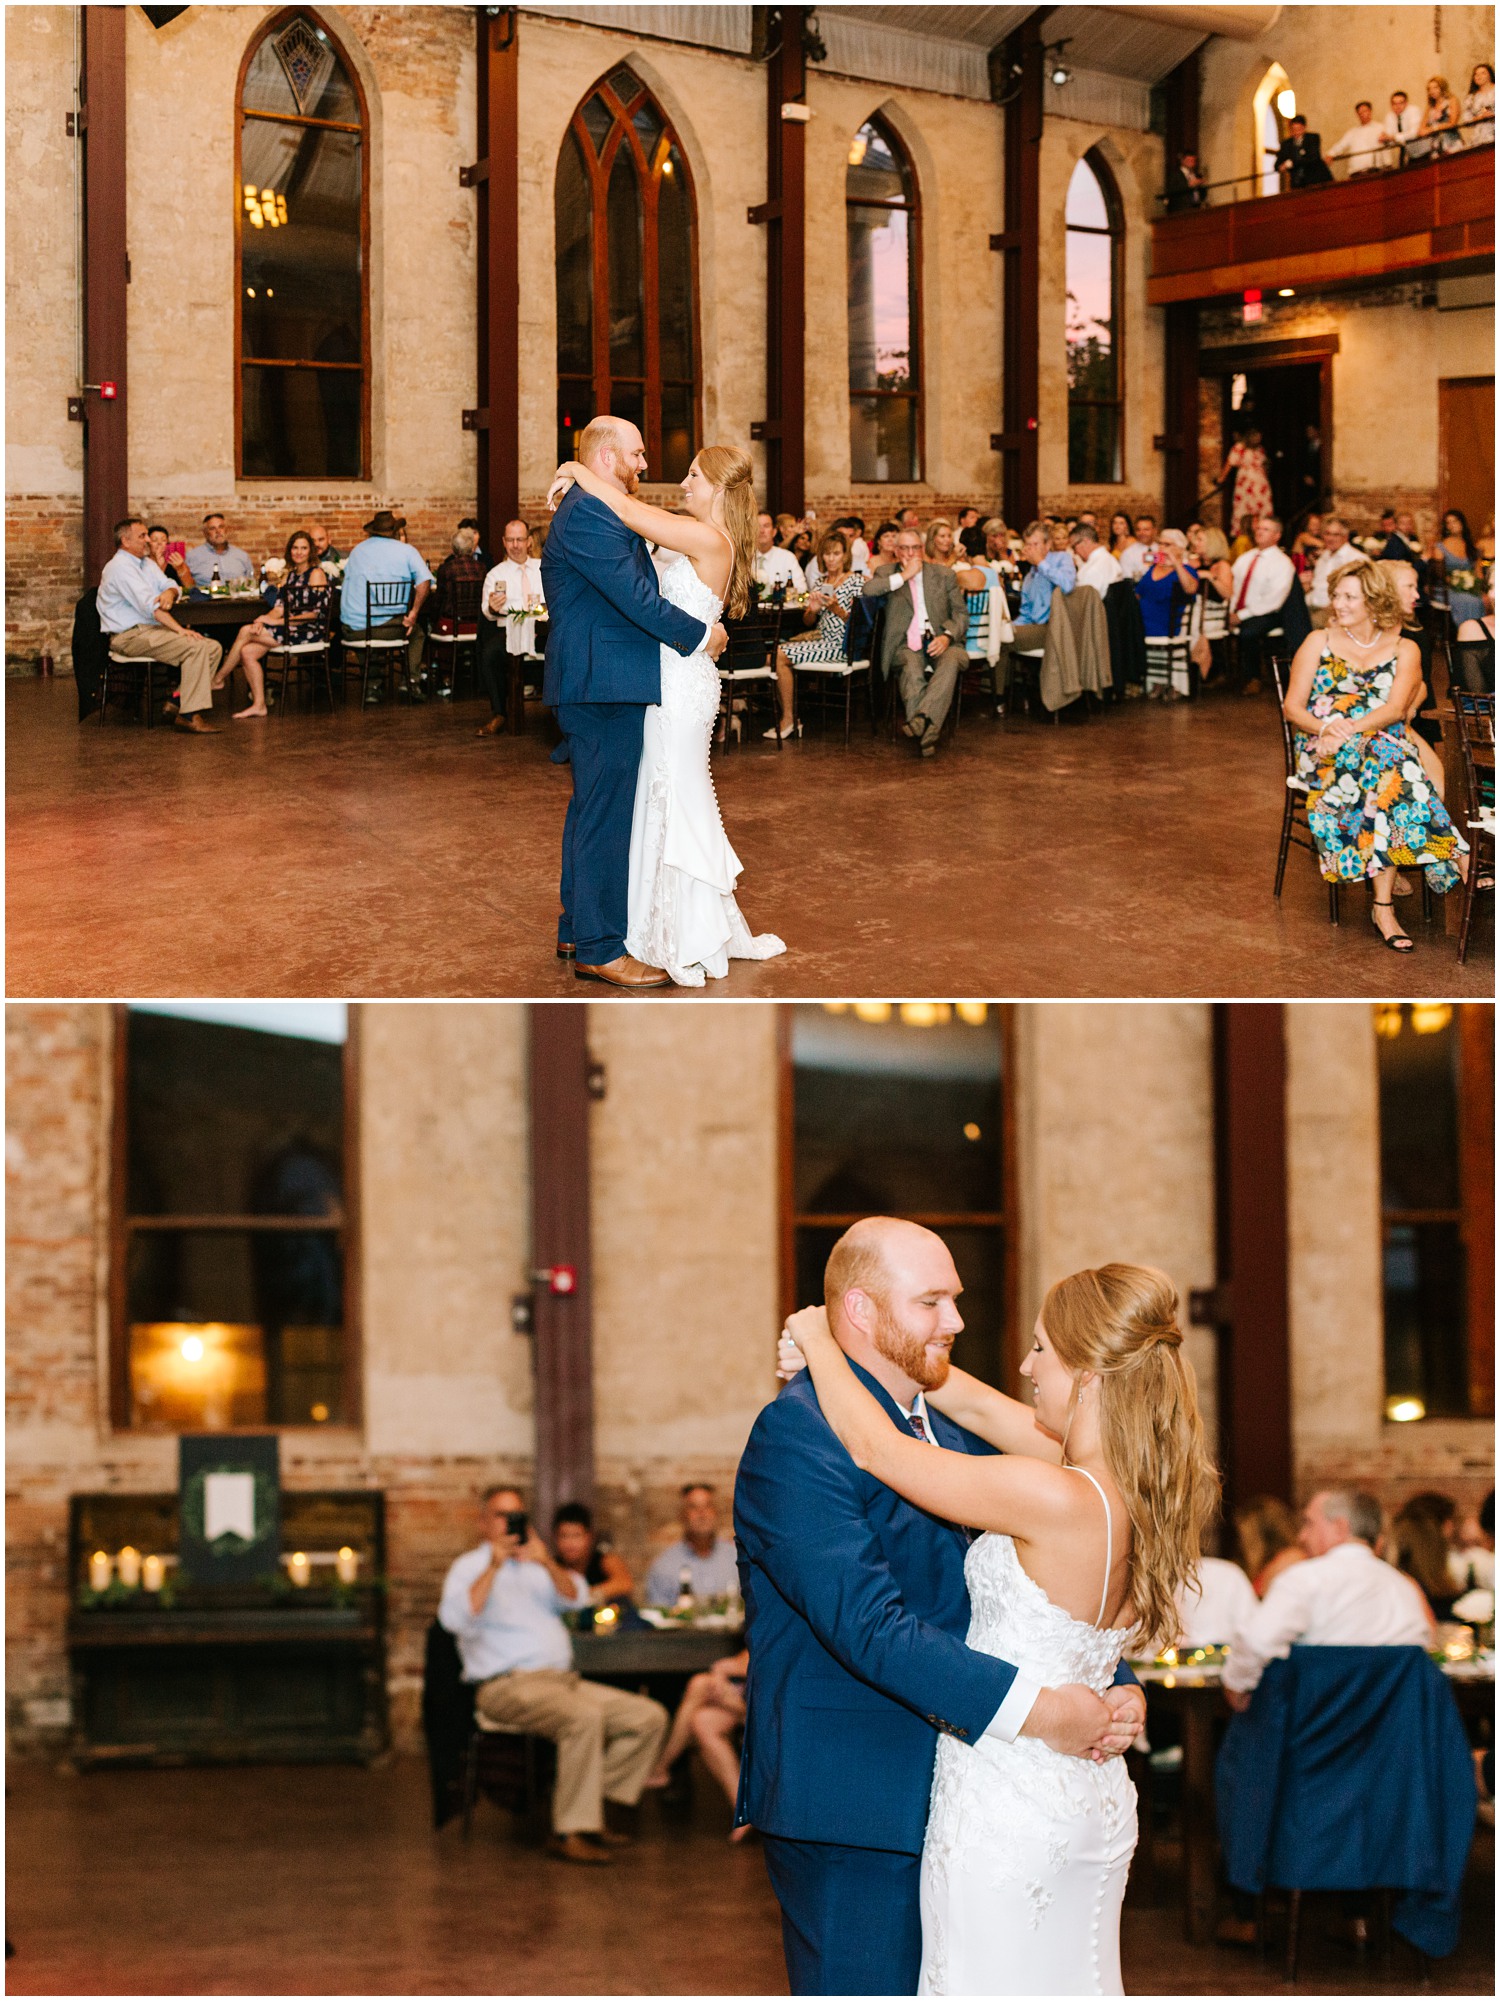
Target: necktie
x=1239, y=603
x=918, y=1428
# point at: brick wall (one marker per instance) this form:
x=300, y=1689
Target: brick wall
x=43, y=564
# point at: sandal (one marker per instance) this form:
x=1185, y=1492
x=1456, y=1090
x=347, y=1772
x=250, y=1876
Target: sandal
x=1397, y=941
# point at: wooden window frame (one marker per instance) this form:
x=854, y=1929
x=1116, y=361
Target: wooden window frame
x=1005, y=1217
x=917, y=394
x=263, y=33
x=121, y=1225
x=1114, y=208
x=598, y=164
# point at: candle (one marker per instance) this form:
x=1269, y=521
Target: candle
x=300, y=1568
x=129, y=1563
x=153, y=1573
x=346, y=1563
x=99, y=1571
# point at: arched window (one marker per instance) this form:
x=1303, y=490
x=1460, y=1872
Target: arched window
x=885, y=381
x=303, y=323
x=1095, y=403
x=627, y=322
x=1275, y=108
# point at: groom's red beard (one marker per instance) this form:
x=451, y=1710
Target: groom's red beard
x=910, y=1354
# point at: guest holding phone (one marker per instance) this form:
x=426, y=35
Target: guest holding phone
x=169, y=557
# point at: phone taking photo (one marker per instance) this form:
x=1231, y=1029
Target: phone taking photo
x=518, y=1524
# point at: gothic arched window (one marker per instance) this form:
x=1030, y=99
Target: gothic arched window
x=627, y=321
x=302, y=330
x=885, y=382
x=1095, y=400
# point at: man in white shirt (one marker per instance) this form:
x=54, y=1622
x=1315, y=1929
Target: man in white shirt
x=1097, y=568
x=1212, y=1612
x=1136, y=558
x=774, y=566
x=1364, y=145
x=1343, y=1596
x=503, y=1602
x=1263, y=578
x=1402, y=122
x=135, y=604
x=515, y=581
x=1338, y=553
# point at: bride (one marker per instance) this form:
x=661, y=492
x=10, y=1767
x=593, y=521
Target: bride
x=1091, y=1518
x=682, y=911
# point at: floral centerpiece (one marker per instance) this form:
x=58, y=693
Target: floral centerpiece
x=273, y=570
x=332, y=568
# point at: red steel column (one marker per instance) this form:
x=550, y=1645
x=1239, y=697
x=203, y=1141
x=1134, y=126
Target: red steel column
x=106, y=273
x=563, y=1320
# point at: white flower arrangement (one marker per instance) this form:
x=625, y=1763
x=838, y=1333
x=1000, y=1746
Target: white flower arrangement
x=1475, y=1608
x=332, y=567
x=273, y=569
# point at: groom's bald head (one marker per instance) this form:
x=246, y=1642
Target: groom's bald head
x=613, y=447
x=890, y=1288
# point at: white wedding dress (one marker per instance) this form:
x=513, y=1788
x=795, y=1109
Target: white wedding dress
x=1024, y=1865
x=682, y=912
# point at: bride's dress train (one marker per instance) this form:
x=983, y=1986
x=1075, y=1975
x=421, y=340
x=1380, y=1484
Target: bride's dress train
x=682, y=914
x=1024, y=1866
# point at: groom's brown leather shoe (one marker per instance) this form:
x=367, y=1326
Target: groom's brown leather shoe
x=623, y=972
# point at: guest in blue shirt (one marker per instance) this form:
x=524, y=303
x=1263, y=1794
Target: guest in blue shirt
x=1050, y=569
x=134, y=603
x=1161, y=587
x=217, y=551
x=383, y=558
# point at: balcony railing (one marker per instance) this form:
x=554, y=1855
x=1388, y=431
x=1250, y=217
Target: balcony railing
x=1394, y=157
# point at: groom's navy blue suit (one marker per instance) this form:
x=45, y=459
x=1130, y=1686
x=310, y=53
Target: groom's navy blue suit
x=609, y=622
x=856, y=1611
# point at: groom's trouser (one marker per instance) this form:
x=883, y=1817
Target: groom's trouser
x=851, y=1918
x=604, y=741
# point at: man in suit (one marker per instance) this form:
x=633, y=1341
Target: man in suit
x=1185, y=186
x=609, y=623
x=856, y=1609
x=923, y=640
x=1300, y=159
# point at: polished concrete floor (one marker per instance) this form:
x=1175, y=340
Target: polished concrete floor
x=397, y=854
x=329, y=1880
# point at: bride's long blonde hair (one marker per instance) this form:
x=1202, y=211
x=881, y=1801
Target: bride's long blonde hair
x=1120, y=1321
x=728, y=468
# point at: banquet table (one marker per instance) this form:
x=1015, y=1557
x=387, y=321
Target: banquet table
x=212, y=615
x=1195, y=1695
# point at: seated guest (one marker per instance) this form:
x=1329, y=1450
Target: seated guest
x=853, y=530
x=970, y=532
x=1404, y=542
x=786, y=527
x=1137, y=554
x=1418, y=1546
x=217, y=552
x=1298, y=159
x=1185, y=186
x=1348, y=697
x=1471, y=1561
x=1263, y=579
x=922, y=638
x=801, y=546
x=462, y=565
x=1209, y=554
x=883, y=547
x=1121, y=535
x=323, y=549
x=1338, y=553
x=1364, y=145
x=503, y=1602
x=580, y=1549
x=1048, y=572
x=1307, y=545
x=942, y=546
x=512, y=584
x=1266, y=1531
x=300, y=611
x=774, y=568
x=1459, y=553
x=1097, y=568
x=479, y=549
x=1343, y=1596
x=1212, y=1612
x=135, y=615
x=1162, y=585
x=1402, y=580
x=909, y=518
x=711, y=1710
x=828, y=607
x=384, y=558
x=167, y=560
x=700, y=1554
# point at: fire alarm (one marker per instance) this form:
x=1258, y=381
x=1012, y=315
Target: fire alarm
x=109, y=391
x=558, y=1279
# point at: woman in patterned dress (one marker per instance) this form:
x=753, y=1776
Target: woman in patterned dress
x=1252, y=483
x=829, y=605
x=301, y=612
x=1370, y=804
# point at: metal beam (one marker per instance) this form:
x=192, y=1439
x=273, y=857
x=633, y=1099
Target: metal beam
x=563, y=1315
x=495, y=178
x=785, y=221
x=106, y=273
x=1017, y=79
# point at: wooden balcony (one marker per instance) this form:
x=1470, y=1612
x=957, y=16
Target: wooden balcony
x=1376, y=225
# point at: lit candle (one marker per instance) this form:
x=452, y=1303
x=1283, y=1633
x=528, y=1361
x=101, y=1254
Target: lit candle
x=300, y=1568
x=153, y=1573
x=346, y=1564
x=99, y=1571
x=129, y=1563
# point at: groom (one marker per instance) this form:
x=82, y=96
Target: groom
x=856, y=1611
x=609, y=623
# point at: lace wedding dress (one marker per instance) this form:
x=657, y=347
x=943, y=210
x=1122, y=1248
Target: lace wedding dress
x=1024, y=1866
x=682, y=913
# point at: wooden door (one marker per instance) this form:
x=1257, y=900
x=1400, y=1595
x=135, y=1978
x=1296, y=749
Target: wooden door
x=1466, y=429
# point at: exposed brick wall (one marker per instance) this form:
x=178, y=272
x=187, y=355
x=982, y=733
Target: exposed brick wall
x=43, y=563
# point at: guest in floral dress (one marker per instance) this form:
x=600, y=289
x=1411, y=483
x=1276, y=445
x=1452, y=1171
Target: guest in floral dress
x=1370, y=804
x=300, y=612
x=829, y=604
x=1252, y=483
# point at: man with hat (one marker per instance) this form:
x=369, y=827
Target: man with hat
x=383, y=558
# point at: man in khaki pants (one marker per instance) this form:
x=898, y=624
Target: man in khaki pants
x=134, y=602
x=503, y=1604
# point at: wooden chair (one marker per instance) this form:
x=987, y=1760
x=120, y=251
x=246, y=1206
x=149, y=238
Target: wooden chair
x=383, y=602
x=304, y=656
x=1170, y=660
x=1295, y=831
x=1474, y=718
x=141, y=670
x=746, y=665
x=458, y=630
x=515, y=1769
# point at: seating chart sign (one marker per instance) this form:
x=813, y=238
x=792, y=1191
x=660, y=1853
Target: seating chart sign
x=229, y=1496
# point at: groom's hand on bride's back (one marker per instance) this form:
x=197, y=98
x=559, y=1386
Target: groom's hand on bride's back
x=1080, y=1724
x=718, y=639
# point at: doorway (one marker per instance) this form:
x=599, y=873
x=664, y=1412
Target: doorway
x=1285, y=403
x=1466, y=432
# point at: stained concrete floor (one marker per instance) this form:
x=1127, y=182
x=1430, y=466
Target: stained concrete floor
x=329, y=1880
x=395, y=854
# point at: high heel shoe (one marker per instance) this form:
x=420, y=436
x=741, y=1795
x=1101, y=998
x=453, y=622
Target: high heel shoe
x=1397, y=941
x=790, y=729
